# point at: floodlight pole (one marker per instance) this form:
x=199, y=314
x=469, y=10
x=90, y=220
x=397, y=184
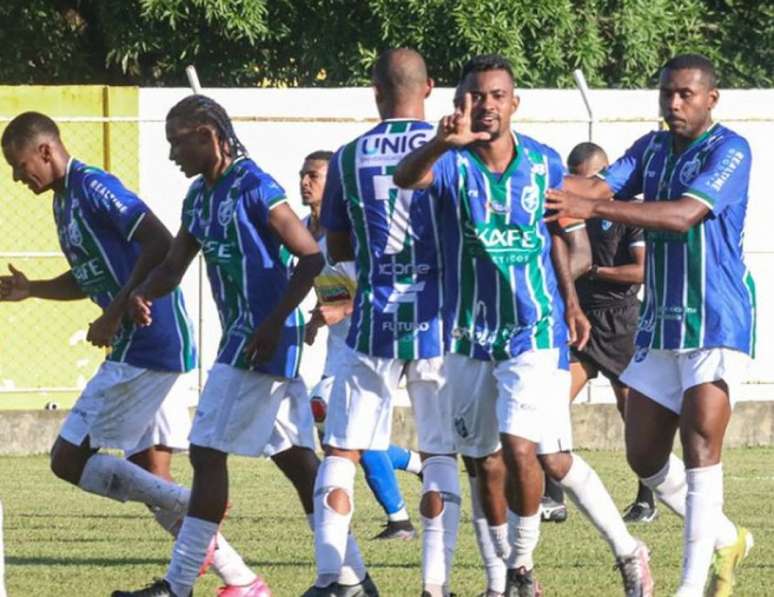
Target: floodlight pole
x=580, y=81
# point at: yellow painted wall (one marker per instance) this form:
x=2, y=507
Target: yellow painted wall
x=42, y=343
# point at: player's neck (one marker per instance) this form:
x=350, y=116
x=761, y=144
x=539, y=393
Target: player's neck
x=61, y=171
x=498, y=154
x=403, y=110
x=681, y=143
x=217, y=169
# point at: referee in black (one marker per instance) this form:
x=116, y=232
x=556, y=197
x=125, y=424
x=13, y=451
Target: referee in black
x=608, y=296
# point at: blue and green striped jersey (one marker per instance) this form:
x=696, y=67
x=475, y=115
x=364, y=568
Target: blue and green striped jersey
x=396, y=241
x=96, y=218
x=698, y=290
x=247, y=274
x=500, y=291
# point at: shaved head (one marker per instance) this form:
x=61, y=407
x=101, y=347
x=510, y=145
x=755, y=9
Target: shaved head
x=401, y=73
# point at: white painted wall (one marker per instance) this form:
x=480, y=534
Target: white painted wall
x=280, y=126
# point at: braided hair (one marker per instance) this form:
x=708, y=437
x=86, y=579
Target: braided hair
x=200, y=109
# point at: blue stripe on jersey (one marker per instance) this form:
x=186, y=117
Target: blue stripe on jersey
x=96, y=218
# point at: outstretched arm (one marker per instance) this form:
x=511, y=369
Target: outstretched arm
x=18, y=287
x=164, y=278
x=415, y=170
x=294, y=235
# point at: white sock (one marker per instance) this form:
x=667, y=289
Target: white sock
x=230, y=566
x=398, y=516
x=669, y=485
x=189, y=553
x=524, y=533
x=493, y=565
x=500, y=540
x=440, y=474
x=122, y=480
x=353, y=571
x=331, y=529
x=415, y=463
x=585, y=488
x=703, y=508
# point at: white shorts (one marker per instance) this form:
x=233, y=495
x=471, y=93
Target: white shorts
x=252, y=414
x=118, y=407
x=665, y=375
x=172, y=422
x=361, y=403
x=527, y=396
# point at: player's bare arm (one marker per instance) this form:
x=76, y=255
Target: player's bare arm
x=154, y=240
x=415, y=171
x=591, y=187
x=18, y=287
x=674, y=216
x=631, y=273
x=579, y=249
x=294, y=235
x=164, y=278
x=578, y=326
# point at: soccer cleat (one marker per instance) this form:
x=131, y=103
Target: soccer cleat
x=635, y=572
x=257, y=588
x=725, y=561
x=640, y=512
x=159, y=588
x=365, y=588
x=398, y=529
x=551, y=510
x=521, y=583
x=491, y=593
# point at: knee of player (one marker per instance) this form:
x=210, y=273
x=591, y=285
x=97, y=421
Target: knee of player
x=492, y=466
x=65, y=466
x=518, y=451
x=338, y=500
x=556, y=465
x=431, y=504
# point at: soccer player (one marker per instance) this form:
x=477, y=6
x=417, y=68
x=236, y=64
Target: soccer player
x=237, y=215
x=608, y=296
x=697, y=328
x=395, y=328
x=111, y=240
x=335, y=290
x=506, y=322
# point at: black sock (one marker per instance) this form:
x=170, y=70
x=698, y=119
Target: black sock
x=645, y=495
x=554, y=490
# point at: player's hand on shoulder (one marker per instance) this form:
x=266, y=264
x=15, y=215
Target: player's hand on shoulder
x=567, y=205
x=139, y=309
x=455, y=130
x=103, y=329
x=15, y=287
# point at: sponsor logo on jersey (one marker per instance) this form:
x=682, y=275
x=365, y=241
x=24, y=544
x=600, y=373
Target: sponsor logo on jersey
x=396, y=144
x=403, y=269
x=728, y=164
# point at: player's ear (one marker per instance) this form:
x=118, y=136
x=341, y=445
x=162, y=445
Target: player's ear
x=44, y=150
x=714, y=96
x=430, y=85
x=515, y=102
x=378, y=93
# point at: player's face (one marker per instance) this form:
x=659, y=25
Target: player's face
x=31, y=164
x=493, y=101
x=686, y=101
x=189, y=147
x=312, y=181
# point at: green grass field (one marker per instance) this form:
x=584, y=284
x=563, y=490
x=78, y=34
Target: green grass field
x=61, y=542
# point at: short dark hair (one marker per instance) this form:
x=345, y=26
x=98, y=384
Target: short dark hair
x=582, y=153
x=694, y=62
x=487, y=62
x=26, y=127
x=322, y=155
x=200, y=109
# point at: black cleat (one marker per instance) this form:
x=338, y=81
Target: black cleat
x=640, y=512
x=159, y=588
x=521, y=583
x=551, y=510
x=365, y=588
x=397, y=529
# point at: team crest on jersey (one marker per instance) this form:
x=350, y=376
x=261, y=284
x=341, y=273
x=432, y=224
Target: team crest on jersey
x=225, y=211
x=74, y=235
x=606, y=225
x=530, y=198
x=689, y=171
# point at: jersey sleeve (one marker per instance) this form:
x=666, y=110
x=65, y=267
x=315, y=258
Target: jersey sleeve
x=333, y=213
x=445, y=174
x=112, y=203
x=634, y=236
x=262, y=194
x=625, y=175
x=725, y=175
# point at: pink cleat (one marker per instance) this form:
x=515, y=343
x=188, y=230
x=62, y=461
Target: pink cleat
x=257, y=588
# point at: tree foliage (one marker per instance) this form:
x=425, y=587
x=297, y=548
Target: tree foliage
x=617, y=43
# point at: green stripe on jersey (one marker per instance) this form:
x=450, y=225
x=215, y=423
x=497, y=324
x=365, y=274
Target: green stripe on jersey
x=693, y=283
